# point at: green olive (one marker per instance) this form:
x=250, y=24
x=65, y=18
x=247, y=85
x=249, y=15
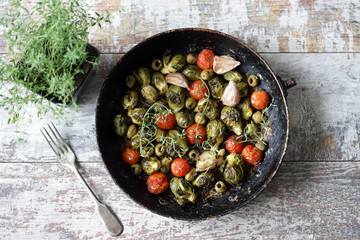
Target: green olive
x=165, y=164
x=150, y=94
x=159, y=150
x=253, y=80
x=233, y=76
x=135, y=142
x=132, y=130
x=193, y=154
x=130, y=99
x=156, y=64
x=200, y=118
x=136, y=169
x=147, y=151
x=190, y=176
x=251, y=129
x=257, y=117
x=260, y=145
x=190, y=103
x=130, y=81
x=120, y=125
x=159, y=135
x=220, y=187
x=191, y=58
x=207, y=74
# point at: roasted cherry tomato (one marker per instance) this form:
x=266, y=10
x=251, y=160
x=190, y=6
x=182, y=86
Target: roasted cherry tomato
x=259, y=99
x=205, y=59
x=166, y=121
x=157, y=183
x=195, y=134
x=251, y=154
x=198, y=90
x=180, y=167
x=130, y=156
x=234, y=144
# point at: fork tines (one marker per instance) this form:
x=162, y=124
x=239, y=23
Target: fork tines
x=54, y=139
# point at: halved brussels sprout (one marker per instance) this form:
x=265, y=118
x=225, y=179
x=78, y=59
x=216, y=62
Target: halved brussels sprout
x=208, y=160
x=173, y=63
x=232, y=119
x=205, y=179
x=232, y=168
x=142, y=75
x=150, y=94
x=176, y=143
x=192, y=72
x=246, y=108
x=176, y=97
x=184, y=119
x=137, y=115
x=135, y=142
x=150, y=165
x=209, y=107
x=120, y=125
x=215, y=131
x=159, y=82
x=165, y=164
x=130, y=99
x=216, y=86
x=184, y=192
x=243, y=88
x=233, y=76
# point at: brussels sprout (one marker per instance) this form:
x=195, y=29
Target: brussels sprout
x=165, y=165
x=131, y=131
x=246, y=108
x=135, y=142
x=176, y=97
x=233, y=76
x=184, y=192
x=232, y=119
x=232, y=168
x=130, y=99
x=173, y=63
x=156, y=64
x=142, y=75
x=130, y=81
x=136, y=169
x=159, y=82
x=159, y=150
x=137, y=115
x=251, y=129
x=215, y=132
x=243, y=88
x=190, y=176
x=120, y=125
x=207, y=74
x=209, y=107
x=207, y=160
x=150, y=94
x=176, y=143
x=253, y=80
x=184, y=119
x=205, y=179
x=191, y=58
x=220, y=187
x=200, y=118
x=150, y=165
x=190, y=103
x=192, y=72
x=257, y=117
x=216, y=86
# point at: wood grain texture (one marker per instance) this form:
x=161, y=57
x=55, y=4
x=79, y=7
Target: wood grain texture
x=267, y=26
x=323, y=118
x=304, y=201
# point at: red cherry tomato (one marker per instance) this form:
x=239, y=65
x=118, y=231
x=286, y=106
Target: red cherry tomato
x=259, y=99
x=198, y=90
x=205, y=59
x=195, y=134
x=234, y=144
x=166, y=121
x=251, y=155
x=157, y=183
x=180, y=167
x=130, y=156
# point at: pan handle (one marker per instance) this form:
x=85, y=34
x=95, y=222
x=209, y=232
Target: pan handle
x=286, y=84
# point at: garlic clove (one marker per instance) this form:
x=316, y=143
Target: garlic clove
x=224, y=64
x=231, y=96
x=177, y=79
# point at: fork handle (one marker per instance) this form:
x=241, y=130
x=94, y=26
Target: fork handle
x=112, y=223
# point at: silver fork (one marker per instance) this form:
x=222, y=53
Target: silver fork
x=67, y=157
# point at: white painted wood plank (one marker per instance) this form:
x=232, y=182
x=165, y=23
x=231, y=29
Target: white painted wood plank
x=267, y=26
x=323, y=117
x=304, y=201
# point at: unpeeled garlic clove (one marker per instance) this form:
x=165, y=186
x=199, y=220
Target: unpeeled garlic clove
x=177, y=79
x=231, y=96
x=224, y=64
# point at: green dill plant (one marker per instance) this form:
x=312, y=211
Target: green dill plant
x=46, y=50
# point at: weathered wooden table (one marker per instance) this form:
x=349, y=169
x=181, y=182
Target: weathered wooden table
x=315, y=194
